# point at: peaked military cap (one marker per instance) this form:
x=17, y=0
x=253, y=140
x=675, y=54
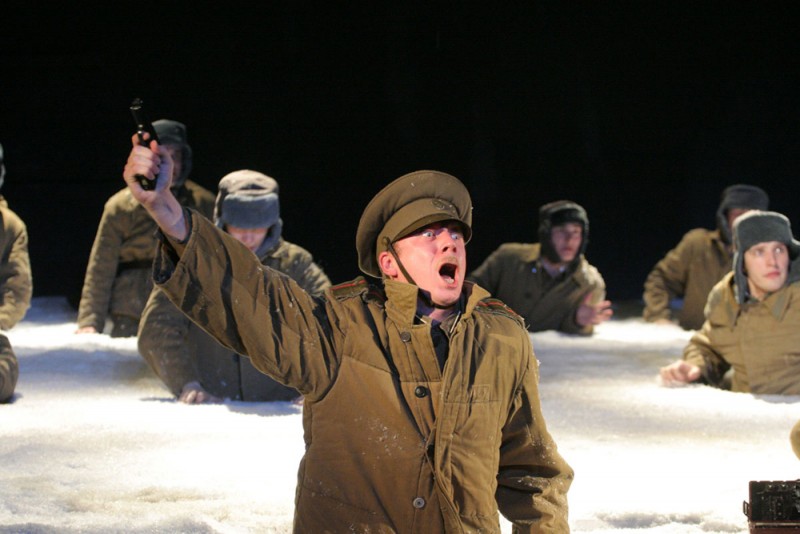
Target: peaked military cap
x=405, y=205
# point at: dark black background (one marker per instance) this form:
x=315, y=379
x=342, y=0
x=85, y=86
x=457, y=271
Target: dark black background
x=641, y=111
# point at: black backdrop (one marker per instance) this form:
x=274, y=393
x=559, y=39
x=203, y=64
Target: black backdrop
x=641, y=111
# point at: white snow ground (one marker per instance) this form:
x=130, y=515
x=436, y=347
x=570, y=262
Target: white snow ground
x=93, y=442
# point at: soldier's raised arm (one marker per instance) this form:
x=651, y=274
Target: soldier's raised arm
x=154, y=163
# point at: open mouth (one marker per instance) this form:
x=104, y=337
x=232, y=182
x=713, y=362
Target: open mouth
x=448, y=272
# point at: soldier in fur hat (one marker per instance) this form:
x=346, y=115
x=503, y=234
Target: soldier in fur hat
x=191, y=363
x=749, y=340
x=689, y=271
x=421, y=405
x=16, y=286
x=118, y=275
x=550, y=283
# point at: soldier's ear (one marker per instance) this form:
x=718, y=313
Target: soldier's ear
x=388, y=265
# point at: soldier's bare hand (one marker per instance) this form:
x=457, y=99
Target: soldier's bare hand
x=679, y=373
x=86, y=330
x=194, y=393
x=593, y=314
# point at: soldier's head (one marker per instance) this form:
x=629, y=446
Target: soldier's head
x=415, y=230
x=172, y=135
x=763, y=249
x=248, y=208
x=563, y=231
x=736, y=200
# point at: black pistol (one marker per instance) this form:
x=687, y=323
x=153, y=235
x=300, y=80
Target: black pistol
x=143, y=125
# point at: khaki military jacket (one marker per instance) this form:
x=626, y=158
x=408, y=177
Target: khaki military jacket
x=180, y=352
x=759, y=340
x=393, y=443
x=16, y=280
x=688, y=271
x=118, y=276
x=514, y=274
x=9, y=369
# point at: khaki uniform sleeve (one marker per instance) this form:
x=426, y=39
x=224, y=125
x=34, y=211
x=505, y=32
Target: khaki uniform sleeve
x=591, y=283
x=666, y=281
x=533, y=478
x=700, y=350
x=162, y=342
x=16, y=281
x=251, y=309
x=9, y=369
x=100, y=272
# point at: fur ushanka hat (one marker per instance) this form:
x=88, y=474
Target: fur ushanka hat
x=249, y=199
x=741, y=196
x=174, y=133
x=756, y=227
x=558, y=213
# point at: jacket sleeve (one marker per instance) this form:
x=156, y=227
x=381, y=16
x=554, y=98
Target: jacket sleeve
x=533, y=478
x=249, y=308
x=15, y=277
x=590, y=282
x=700, y=350
x=101, y=272
x=666, y=281
x=162, y=342
x=9, y=369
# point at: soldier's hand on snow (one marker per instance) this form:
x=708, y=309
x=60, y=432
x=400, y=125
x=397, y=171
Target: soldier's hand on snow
x=679, y=373
x=194, y=393
x=155, y=163
x=86, y=330
x=592, y=314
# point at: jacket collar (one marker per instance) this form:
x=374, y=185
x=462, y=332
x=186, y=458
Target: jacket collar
x=401, y=300
x=776, y=303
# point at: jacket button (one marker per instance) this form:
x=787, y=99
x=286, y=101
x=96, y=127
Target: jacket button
x=421, y=392
x=419, y=503
x=405, y=337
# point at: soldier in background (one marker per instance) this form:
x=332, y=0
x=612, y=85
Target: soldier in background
x=118, y=276
x=748, y=342
x=191, y=363
x=699, y=261
x=16, y=286
x=550, y=283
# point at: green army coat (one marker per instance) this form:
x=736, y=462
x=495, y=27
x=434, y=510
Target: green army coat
x=9, y=369
x=118, y=277
x=759, y=340
x=513, y=273
x=16, y=280
x=393, y=444
x=688, y=271
x=180, y=352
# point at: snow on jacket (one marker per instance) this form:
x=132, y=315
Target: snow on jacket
x=118, y=276
x=16, y=281
x=393, y=444
x=759, y=340
x=180, y=352
x=514, y=274
x=688, y=271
